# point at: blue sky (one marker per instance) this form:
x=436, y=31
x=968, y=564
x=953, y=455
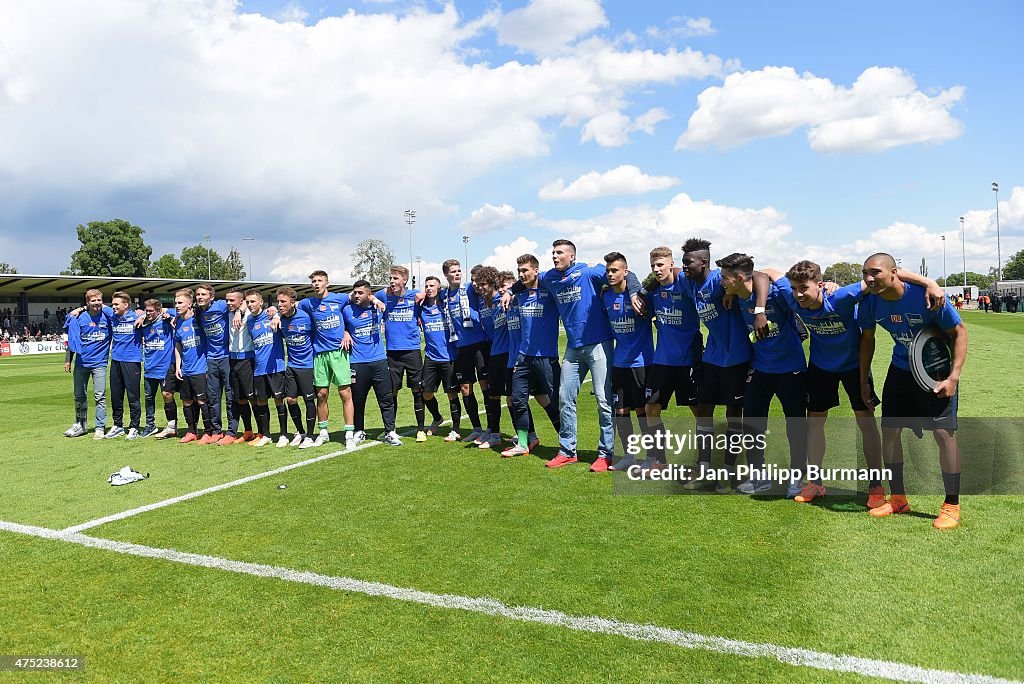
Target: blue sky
x=311, y=125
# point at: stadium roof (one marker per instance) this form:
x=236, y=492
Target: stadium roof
x=13, y=284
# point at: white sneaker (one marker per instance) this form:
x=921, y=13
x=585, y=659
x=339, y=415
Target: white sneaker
x=79, y=432
x=167, y=432
x=262, y=441
x=453, y=436
x=297, y=439
x=473, y=436
x=358, y=437
x=98, y=434
x=74, y=428
x=114, y=433
x=322, y=438
x=307, y=443
x=392, y=439
x=282, y=441
x=132, y=434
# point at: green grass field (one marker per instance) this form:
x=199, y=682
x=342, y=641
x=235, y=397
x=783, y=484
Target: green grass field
x=446, y=519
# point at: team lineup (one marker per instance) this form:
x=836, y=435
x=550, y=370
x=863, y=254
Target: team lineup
x=500, y=330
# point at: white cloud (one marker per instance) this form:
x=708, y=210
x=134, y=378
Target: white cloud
x=612, y=129
x=683, y=27
x=544, y=27
x=622, y=180
x=294, y=12
x=276, y=129
x=490, y=218
x=882, y=109
x=504, y=256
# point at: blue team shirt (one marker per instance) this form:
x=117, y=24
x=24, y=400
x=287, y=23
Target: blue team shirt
x=538, y=323
x=435, y=334
x=499, y=327
x=127, y=342
x=327, y=319
x=364, y=325
x=190, y=336
x=468, y=329
x=267, y=345
x=634, y=340
x=487, y=321
x=835, y=335
x=903, y=318
x=298, y=339
x=727, y=342
x=71, y=328
x=93, y=335
x=781, y=351
x=158, y=348
x=216, y=322
x=576, y=295
x=400, y=330
x=678, y=324
x=515, y=332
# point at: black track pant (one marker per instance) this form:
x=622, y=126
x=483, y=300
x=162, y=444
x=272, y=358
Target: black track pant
x=375, y=375
x=125, y=378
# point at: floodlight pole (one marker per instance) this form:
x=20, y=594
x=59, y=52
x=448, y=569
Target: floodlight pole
x=250, y=240
x=944, y=283
x=465, y=243
x=963, y=246
x=209, y=258
x=410, y=218
x=999, y=251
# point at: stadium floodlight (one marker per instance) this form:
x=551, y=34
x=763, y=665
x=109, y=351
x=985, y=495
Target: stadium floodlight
x=999, y=250
x=410, y=218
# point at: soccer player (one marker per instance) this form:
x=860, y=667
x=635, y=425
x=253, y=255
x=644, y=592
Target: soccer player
x=72, y=347
x=92, y=333
x=900, y=308
x=493, y=320
x=268, y=370
x=297, y=329
x=575, y=287
x=779, y=369
x=240, y=367
x=462, y=314
x=190, y=367
x=831, y=319
x=402, y=337
x=216, y=319
x=633, y=355
x=537, y=360
x=125, y=367
x=678, y=350
x=158, y=357
x=369, y=363
x=438, y=368
x=331, y=355
x=514, y=325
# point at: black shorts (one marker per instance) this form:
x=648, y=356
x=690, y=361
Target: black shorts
x=823, y=389
x=471, y=362
x=905, y=404
x=193, y=387
x=406, y=363
x=439, y=374
x=270, y=386
x=171, y=384
x=629, y=387
x=665, y=381
x=499, y=376
x=242, y=385
x=298, y=382
x=790, y=388
x=722, y=385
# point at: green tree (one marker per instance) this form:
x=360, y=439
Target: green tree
x=7, y=268
x=234, y=269
x=843, y=273
x=371, y=260
x=981, y=281
x=110, y=248
x=201, y=263
x=167, y=266
x=1014, y=268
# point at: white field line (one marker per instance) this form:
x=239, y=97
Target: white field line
x=209, y=490
x=867, y=667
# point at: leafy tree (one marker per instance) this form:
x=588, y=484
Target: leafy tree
x=843, y=273
x=7, y=268
x=234, y=269
x=1014, y=268
x=110, y=248
x=201, y=263
x=167, y=266
x=981, y=281
x=371, y=260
